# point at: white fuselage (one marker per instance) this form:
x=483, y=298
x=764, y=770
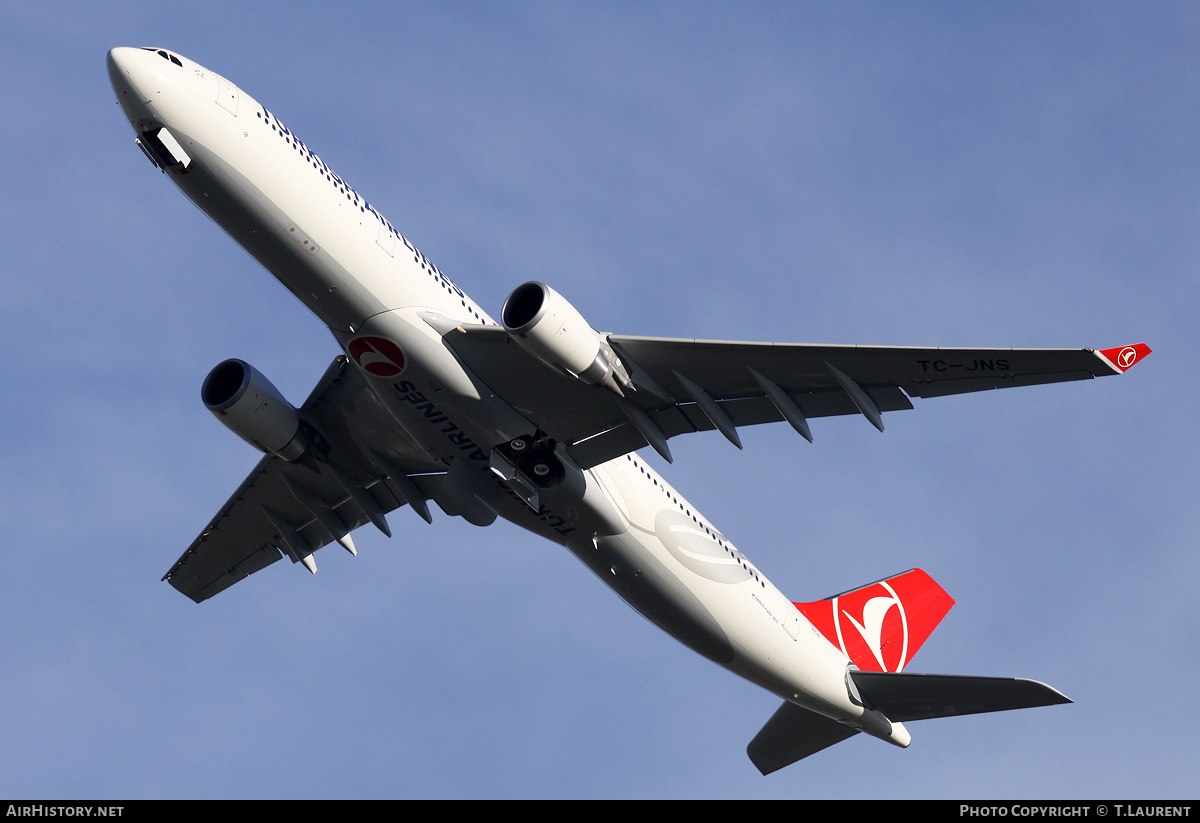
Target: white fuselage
x=360, y=276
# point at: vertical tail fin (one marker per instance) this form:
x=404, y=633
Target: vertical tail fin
x=881, y=625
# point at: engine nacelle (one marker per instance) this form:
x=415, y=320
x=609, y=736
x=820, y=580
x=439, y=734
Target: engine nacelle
x=543, y=323
x=253, y=409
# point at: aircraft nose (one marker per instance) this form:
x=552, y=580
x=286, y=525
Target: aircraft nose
x=115, y=56
x=121, y=70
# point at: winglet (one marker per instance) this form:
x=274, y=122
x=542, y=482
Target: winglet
x=1122, y=358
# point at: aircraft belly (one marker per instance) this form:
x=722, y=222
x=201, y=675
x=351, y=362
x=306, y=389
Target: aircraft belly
x=646, y=584
x=767, y=640
x=734, y=623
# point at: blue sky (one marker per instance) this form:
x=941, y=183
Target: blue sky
x=1018, y=174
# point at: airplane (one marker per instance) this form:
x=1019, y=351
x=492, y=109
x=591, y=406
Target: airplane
x=539, y=420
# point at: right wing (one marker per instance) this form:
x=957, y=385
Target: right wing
x=293, y=509
x=682, y=385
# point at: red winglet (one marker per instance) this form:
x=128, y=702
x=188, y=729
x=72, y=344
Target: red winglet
x=880, y=626
x=1122, y=358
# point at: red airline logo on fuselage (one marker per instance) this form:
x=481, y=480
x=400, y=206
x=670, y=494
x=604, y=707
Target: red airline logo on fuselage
x=377, y=356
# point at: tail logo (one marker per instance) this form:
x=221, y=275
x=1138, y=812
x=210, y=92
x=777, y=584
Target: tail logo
x=874, y=614
x=377, y=356
x=880, y=626
x=1126, y=357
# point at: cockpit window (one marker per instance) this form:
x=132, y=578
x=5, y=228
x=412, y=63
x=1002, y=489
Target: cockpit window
x=164, y=55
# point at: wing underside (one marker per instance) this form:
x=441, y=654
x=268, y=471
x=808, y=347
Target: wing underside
x=367, y=468
x=681, y=386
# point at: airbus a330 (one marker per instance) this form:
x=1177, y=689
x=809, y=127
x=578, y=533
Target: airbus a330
x=538, y=420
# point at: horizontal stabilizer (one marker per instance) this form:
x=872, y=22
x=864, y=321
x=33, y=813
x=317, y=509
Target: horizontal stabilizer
x=792, y=734
x=904, y=696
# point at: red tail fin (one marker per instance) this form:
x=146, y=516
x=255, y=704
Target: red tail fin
x=881, y=625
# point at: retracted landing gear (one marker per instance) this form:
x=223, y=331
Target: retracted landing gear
x=530, y=465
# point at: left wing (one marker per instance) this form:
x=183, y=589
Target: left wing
x=682, y=385
x=293, y=509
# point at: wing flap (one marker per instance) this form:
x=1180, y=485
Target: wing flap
x=964, y=385
x=750, y=411
x=241, y=539
x=684, y=418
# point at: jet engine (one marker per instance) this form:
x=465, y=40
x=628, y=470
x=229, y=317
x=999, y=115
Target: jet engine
x=543, y=323
x=253, y=409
